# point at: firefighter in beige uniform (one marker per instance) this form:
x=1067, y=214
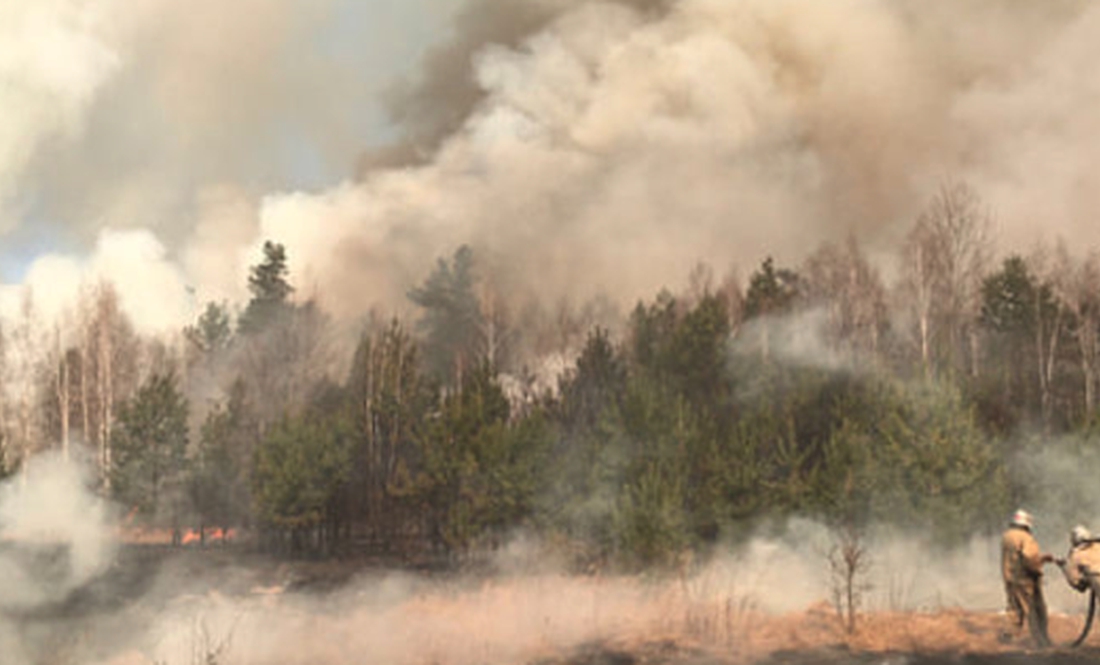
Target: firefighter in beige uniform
x=1082, y=565
x=1022, y=567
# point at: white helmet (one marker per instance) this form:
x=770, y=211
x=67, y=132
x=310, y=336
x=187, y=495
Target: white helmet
x=1022, y=518
x=1079, y=535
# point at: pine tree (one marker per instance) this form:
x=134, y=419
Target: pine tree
x=270, y=289
x=213, y=330
x=452, y=321
x=299, y=471
x=149, y=447
x=218, y=472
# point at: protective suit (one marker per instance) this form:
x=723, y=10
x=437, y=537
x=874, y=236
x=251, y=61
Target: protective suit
x=1022, y=568
x=1082, y=565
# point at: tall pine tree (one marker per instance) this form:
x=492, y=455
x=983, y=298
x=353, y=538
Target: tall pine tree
x=270, y=290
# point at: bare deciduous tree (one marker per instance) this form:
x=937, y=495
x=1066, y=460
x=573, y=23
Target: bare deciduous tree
x=849, y=564
x=841, y=279
x=496, y=335
x=1076, y=284
x=944, y=259
x=1051, y=318
x=25, y=361
x=110, y=363
x=62, y=389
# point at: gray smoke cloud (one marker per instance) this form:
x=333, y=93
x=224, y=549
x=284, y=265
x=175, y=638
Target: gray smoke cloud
x=439, y=100
x=606, y=146
x=580, y=147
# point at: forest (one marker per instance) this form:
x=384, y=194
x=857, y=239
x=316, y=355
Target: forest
x=628, y=437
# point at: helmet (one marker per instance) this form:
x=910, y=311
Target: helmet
x=1022, y=518
x=1079, y=535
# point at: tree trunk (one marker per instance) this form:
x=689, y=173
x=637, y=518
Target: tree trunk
x=106, y=398
x=924, y=350
x=1086, y=340
x=1047, y=358
x=368, y=421
x=975, y=351
x=85, y=414
x=62, y=388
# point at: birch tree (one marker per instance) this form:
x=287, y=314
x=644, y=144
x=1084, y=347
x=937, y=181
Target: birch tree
x=27, y=354
x=1077, y=285
x=389, y=401
x=841, y=279
x=62, y=363
x=944, y=258
x=109, y=370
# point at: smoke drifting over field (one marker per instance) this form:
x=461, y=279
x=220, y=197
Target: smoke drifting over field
x=56, y=536
x=769, y=593
x=580, y=146
x=52, y=506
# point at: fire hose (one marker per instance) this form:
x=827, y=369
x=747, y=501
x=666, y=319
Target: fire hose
x=1088, y=619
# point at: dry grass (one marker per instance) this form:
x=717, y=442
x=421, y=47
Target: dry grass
x=551, y=618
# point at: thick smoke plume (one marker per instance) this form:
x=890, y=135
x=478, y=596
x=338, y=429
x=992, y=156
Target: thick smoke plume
x=583, y=147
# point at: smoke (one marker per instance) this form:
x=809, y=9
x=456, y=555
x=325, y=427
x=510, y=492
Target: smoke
x=603, y=147
x=1059, y=480
x=581, y=147
x=150, y=286
x=799, y=340
x=141, y=115
x=528, y=612
x=53, y=60
x=50, y=505
x=446, y=92
x=56, y=537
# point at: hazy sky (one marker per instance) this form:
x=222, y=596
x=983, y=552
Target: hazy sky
x=121, y=112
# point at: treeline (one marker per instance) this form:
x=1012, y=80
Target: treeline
x=815, y=390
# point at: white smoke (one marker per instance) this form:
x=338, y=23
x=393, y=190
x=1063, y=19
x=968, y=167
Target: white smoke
x=54, y=56
x=799, y=339
x=151, y=288
x=55, y=534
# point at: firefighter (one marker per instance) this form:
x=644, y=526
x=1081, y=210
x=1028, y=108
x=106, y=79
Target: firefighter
x=1022, y=568
x=1082, y=565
